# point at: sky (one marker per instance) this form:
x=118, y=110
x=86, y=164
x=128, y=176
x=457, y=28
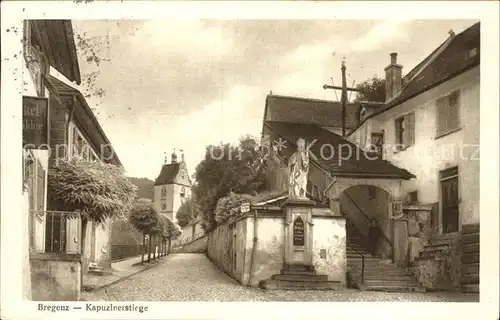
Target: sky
x=185, y=84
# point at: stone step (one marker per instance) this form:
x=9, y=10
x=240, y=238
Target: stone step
x=300, y=285
x=377, y=273
x=440, y=242
x=470, y=238
x=471, y=288
x=300, y=277
x=470, y=258
x=389, y=277
x=384, y=282
x=472, y=268
x=298, y=272
x=436, y=247
x=470, y=279
x=470, y=248
x=470, y=228
x=395, y=288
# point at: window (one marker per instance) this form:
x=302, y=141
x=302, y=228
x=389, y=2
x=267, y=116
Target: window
x=78, y=143
x=447, y=114
x=377, y=143
x=163, y=194
x=413, y=197
x=183, y=192
x=163, y=206
x=372, y=193
x=405, y=131
x=449, y=199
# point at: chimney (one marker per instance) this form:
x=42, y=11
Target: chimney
x=393, y=77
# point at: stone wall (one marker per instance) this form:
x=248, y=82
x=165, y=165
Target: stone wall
x=250, y=252
x=231, y=248
x=443, y=271
x=329, y=247
x=225, y=251
x=268, y=255
x=55, y=277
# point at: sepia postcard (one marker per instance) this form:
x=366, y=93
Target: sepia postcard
x=290, y=158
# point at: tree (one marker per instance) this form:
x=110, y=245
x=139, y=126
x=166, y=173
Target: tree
x=225, y=168
x=95, y=190
x=171, y=230
x=144, y=218
x=187, y=212
x=371, y=90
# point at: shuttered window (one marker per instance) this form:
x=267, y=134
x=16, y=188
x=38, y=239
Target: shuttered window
x=447, y=113
x=405, y=131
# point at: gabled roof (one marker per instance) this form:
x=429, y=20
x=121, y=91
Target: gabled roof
x=447, y=61
x=354, y=162
x=83, y=113
x=322, y=113
x=57, y=42
x=167, y=174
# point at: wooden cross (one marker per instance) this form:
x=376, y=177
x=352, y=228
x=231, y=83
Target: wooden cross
x=343, y=98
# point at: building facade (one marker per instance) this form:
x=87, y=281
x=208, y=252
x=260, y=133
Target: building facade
x=172, y=187
x=57, y=123
x=430, y=127
x=409, y=166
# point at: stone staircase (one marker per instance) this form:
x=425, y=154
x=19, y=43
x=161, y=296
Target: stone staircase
x=379, y=274
x=470, y=258
x=299, y=277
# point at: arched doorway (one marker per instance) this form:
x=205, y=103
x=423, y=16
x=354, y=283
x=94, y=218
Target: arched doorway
x=362, y=204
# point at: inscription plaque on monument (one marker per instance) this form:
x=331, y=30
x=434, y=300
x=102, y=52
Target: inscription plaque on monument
x=298, y=232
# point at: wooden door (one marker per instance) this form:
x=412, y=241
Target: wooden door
x=449, y=204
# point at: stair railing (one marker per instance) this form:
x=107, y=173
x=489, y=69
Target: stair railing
x=367, y=219
x=362, y=262
x=358, y=253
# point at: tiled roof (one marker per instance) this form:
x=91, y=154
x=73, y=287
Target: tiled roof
x=60, y=88
x=323, y=113
x=167, y=174
x=354, y=161
x=452, y=61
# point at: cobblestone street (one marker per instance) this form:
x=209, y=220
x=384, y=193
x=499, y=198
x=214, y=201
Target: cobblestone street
x=192, y=277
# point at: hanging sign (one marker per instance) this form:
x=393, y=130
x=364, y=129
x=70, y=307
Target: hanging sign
x=245, y=207
x=35, y=123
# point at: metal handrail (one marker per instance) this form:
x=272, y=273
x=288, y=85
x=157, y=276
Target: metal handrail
x=189, y=240
x=362, y=259
x=368, y=218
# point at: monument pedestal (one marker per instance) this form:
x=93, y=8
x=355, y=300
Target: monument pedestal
x=298, y=272
x=298, y=235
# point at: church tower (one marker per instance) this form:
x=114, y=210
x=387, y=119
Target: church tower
x=172, y=186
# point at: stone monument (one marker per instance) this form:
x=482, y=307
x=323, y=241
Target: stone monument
x=298, y=167
x=298, y=212
x=306, y=262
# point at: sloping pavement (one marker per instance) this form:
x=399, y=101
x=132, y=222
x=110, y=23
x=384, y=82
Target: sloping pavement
x=193, y=277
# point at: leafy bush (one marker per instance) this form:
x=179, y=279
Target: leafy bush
x=229, y=207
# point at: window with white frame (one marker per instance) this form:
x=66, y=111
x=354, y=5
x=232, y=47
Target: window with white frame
x=447, y=114
x=405, y=131
x=81, y=148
